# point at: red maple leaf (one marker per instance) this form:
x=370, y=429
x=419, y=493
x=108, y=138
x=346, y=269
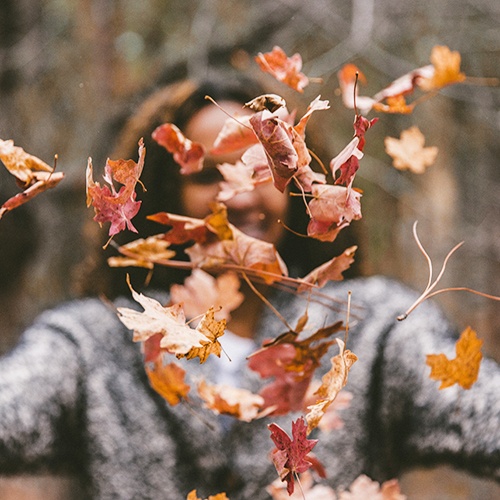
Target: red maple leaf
x=117, y=207
x=347, y=161
x=189, y=155
x=290, y=455
x=288, y=389
x=292, y=363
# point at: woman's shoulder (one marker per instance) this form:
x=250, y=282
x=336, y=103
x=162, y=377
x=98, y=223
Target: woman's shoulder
x=83, y=321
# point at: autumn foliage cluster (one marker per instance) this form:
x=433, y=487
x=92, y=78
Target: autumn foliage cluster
x=220, y=255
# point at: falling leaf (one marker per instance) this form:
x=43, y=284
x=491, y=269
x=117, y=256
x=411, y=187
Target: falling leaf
x=329, y=271
x=151, y=349
x=271, y=102
x=292, y=363
x=235, y=135
x=193, y=496
x=143, y=252
x=285, y=69
x=286, y=392
x=464, y=368
x=402, y=86
x=347, y=161
x=177, y=337
x=290, y=456
x=252, y=254
x=350, y=77
x=189, y=155
x=23, y=166
x=332, y=208
x=277, y=139
x=227, y=400
x=202, y=291
x=117, y=207
x=211, y=329
x=444, y=70
x=238, y=178
x=332, y=419
x=364, y=488
x=32, y=174
x=331, y=384
x=316, y=105
x=168, y=381
x=256, y=159
x=394, y=104
x=409, y=153
x=183, y=229
x=446, y=64
x=219, y=244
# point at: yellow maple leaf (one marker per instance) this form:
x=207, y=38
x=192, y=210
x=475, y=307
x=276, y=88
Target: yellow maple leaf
x=446, y=69
x=212, y=329
x=464, y=368
x=168, y=381
x=409, y=153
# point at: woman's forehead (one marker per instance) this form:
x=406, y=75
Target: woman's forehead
x=205, y=124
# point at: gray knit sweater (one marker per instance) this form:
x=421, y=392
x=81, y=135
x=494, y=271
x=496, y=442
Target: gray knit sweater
x=74, y=397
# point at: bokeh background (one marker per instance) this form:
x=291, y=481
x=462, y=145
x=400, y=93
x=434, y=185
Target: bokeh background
x=68, y=68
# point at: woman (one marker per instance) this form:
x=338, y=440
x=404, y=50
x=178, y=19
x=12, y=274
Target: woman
x=74, y=394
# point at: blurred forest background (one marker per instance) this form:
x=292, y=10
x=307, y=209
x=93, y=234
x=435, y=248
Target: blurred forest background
x=69, y=67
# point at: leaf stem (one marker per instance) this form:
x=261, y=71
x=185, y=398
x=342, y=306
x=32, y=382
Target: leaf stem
x=266, y=302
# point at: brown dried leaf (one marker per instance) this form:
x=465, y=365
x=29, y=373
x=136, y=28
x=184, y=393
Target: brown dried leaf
x=331, y=384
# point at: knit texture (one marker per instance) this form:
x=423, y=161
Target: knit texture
x=74, y=397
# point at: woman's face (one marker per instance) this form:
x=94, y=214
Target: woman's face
x=256, y=212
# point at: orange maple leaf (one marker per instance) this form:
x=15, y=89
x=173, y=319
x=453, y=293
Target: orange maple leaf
x=168, y=381
x=211, y=329
x=464, y=368
x=409, y=153
x=446, y=65
x=394, y=104
x=284, y=69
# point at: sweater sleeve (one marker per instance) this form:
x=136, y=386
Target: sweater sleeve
x=418, y=424
x=39, y=384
